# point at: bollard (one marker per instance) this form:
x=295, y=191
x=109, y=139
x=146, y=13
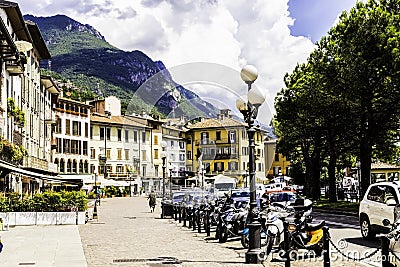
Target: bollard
x=327, y=260
x=208, y=222
x=198, y=221
x=286, y=243
x=385, y=251
x=175, y=213
x=184, y=216
x=180, y=214
x=193, y=219
x=189, y=218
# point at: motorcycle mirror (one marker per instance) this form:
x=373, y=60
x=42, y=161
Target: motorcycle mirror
x=386, y=222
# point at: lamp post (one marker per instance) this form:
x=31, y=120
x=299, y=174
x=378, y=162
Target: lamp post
x=249, y=109
x=97, y=196
x=171, y=168
x=163, y=157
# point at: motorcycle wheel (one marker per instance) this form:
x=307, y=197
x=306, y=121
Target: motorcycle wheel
x=223, y=236
x=245, y=241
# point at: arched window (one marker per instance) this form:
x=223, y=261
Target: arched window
x=81, y=166
x=69, y=166
x=58, y=165
x=62, y=166
x=74, y=166
x=86, y=167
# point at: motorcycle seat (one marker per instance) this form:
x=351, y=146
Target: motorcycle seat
x=315, y=226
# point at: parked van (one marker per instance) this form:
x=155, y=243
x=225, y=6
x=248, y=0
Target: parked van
x=223, y=184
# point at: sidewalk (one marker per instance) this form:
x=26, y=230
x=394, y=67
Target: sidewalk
x=126, y=234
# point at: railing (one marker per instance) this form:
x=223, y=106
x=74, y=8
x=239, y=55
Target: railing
x=36, y=163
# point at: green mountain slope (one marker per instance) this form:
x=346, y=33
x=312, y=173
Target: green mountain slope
x=81, y=54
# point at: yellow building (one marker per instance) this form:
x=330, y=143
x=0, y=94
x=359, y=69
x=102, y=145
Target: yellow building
x=221, y=146
x=277, y=164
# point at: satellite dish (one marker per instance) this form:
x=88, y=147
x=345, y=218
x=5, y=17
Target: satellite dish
x=23, y=46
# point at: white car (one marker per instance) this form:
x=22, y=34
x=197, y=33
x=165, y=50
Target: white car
x=378, y=204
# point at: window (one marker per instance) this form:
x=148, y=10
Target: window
x=101, y=133
x=120, y=168
x=276, y=157
x=155, y=153
x=76, y=128
x=69, y=166
x=91, y=132
x=181, y=157
x=58, y=125
x=376, y=193
x=218, y=166
x=67, y=127
x=233, y=166
x=189, y=155
x=156, y=139
x=144, y=157
x=119, y=153
x=172, y=143
x=232, y=137
x=108, y=153
x=156, y=169
x=218, y=135
x=92, y=153
x=127, y=136
x=119, y=133
x=181, y=145
x=144, y=170
x=135, y=136
x=85, y=148
x=143, y=137
x=108, y=134
x=126, y=154
x=204, y=138
x=86, y=129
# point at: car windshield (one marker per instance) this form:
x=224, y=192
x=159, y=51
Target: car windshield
x=224, y=186
x=281, y=197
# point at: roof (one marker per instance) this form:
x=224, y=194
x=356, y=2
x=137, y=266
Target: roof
x=64, y=99
x=49, y=84
x=38, y=41
x=383, y=166
x=215, y=123
x=119, y=120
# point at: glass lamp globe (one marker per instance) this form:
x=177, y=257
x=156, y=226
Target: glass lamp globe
x=255, y=96
x=249, y=73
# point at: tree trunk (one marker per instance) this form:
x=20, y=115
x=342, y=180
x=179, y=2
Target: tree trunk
x=332, y=178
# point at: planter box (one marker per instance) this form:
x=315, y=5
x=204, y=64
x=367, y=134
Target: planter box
x=45, y=218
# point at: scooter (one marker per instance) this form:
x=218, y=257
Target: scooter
x=231, y=223
x=302, y=233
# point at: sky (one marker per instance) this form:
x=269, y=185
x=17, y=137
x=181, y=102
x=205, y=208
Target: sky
x=205, y=43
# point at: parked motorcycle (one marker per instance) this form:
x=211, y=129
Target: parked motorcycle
x=231, y=222
x=271, y=226
x=302, y=233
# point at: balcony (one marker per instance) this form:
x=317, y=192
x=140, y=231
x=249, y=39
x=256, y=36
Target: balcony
x=219, y=156
x=32, y=162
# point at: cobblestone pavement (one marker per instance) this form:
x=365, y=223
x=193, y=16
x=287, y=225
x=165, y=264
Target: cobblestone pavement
x=128, y=234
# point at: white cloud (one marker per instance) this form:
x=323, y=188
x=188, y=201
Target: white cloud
x=229, y=33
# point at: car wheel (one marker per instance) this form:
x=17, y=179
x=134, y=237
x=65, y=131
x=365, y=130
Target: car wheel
x=366, y=231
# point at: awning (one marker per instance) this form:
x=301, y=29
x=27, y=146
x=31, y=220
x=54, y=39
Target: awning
x=13, y=168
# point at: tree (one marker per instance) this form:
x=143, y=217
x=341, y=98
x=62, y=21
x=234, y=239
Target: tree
x=367, y=42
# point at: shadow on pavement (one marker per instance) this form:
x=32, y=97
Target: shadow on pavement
x=375, y=243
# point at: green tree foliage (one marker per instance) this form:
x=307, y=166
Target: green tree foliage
x=343, y=101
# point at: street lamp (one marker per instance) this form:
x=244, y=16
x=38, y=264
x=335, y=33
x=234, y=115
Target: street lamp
x=97, y=196
x=249, y=109
x=171, y=168
x=163, y=157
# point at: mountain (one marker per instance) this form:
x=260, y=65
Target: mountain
x=81, y=54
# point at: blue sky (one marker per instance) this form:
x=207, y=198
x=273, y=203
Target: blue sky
x=313, y=18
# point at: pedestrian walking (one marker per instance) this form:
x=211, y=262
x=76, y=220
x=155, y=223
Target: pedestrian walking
x=152, y=201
